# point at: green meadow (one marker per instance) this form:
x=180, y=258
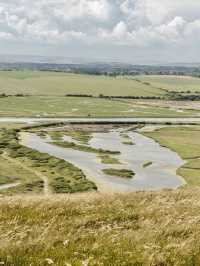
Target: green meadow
x=59, y=84
x=186, y=142
x=57, y=106
x=173, y=83
x=43, y=93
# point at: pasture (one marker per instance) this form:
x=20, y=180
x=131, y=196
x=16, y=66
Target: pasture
x=173, y=83
x=57, y=84
x=55, y=106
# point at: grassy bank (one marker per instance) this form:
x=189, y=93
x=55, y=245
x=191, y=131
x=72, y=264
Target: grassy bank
x=106, y=159
x=72, y=145
x=62, y=176
x=147, y=164
x=143, y=229
x=81, y=136
x=186, y=142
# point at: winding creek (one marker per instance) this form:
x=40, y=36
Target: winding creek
x=30, y=120
x=161, y=174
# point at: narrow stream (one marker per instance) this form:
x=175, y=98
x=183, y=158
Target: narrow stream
x=30, y=120
x=161, y=174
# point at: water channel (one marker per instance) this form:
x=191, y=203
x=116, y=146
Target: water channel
x=161, y=174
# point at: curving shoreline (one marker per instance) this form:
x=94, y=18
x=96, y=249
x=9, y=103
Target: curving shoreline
x=160, y=175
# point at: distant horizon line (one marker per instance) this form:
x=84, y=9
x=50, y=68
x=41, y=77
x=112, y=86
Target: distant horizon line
x=58, y=59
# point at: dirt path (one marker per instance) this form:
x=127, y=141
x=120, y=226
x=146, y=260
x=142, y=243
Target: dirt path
x=29, y=169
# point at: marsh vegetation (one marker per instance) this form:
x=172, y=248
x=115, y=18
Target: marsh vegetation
x=124, y=173
x=62, y=176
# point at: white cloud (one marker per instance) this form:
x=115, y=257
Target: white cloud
x=5, y=36
x=137, y=23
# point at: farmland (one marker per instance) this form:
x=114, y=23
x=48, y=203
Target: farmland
x=173, y=83
x=60, y=84
x=51, y=106
x=49, y=94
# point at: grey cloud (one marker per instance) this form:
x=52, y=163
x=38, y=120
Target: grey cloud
x=140, y=24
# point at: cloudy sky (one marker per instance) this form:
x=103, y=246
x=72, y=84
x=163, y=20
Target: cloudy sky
x=137, y=31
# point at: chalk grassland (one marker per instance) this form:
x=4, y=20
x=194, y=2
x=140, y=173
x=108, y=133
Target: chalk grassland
x=173, y=83
x=59, y=84
x=143, y=229
x=186, y=142
x=54, y=106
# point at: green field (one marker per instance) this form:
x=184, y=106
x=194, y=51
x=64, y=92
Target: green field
x=173, y=83
x=45, y=95
x=186, y=142
x=54, y=83
x=43, y=106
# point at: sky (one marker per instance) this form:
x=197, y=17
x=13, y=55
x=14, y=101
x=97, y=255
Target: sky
x=135, y=31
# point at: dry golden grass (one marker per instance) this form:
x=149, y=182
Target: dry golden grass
x=150, y=228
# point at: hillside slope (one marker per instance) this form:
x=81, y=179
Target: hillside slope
x=157, y=228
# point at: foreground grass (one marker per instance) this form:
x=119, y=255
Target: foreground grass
x=129, y=229
x=186, y=142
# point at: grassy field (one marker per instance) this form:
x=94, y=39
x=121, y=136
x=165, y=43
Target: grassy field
x=84, y=107
x=138, y=229
x=45, y=95
x=186, y=142
x=59, y=84
x=173, y=83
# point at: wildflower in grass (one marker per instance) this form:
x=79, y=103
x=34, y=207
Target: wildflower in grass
x=66, y=243
x=49, y=261
x=85, y=263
